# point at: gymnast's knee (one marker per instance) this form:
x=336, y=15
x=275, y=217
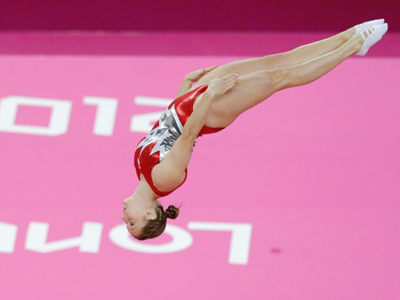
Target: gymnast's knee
x=280, y=78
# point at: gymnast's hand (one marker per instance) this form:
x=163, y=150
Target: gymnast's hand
x=196, y=75
x=220, y=85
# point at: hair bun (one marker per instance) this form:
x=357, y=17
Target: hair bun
x=172, y=212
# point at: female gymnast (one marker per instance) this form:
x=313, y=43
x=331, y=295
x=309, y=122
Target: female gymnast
x=220, y=95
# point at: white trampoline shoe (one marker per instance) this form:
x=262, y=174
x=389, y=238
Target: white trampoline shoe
x=371, y=37
x=367, y=25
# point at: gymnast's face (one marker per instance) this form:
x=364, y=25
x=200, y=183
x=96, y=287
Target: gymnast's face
x=135, y=213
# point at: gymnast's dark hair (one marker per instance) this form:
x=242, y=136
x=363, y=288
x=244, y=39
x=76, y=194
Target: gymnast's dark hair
x=154, y=228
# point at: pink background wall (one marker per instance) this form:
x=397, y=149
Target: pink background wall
x=314, y=170
x=200, y=15
x=247, y=44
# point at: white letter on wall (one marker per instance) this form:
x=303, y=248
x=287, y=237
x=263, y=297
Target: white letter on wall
x=8, y=235
x=105, y=114
x=151, y=101
x=89, y=241
x=240, y=240
x=181, y=239
x=59, y=119
x=144, y=122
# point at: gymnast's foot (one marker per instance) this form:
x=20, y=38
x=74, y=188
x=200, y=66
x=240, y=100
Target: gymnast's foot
x=367, y=25
x=371, y=37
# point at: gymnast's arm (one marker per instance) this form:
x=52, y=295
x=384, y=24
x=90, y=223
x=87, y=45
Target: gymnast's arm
x=191, y=78
x=170, y=173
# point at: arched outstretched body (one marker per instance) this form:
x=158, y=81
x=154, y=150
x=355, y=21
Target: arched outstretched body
x=232, y=89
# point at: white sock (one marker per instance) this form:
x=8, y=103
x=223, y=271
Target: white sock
x=366, y=25
x=373, y=38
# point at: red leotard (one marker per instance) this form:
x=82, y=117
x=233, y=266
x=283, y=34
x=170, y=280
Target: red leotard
x=153, y=148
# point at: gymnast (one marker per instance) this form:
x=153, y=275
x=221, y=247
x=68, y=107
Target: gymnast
x=218, y=96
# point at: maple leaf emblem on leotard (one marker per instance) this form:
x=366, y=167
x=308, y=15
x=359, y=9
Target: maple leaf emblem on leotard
x=165, y=134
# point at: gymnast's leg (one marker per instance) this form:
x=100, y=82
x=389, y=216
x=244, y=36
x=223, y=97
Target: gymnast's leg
x=253, y=88
x=286, y=59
